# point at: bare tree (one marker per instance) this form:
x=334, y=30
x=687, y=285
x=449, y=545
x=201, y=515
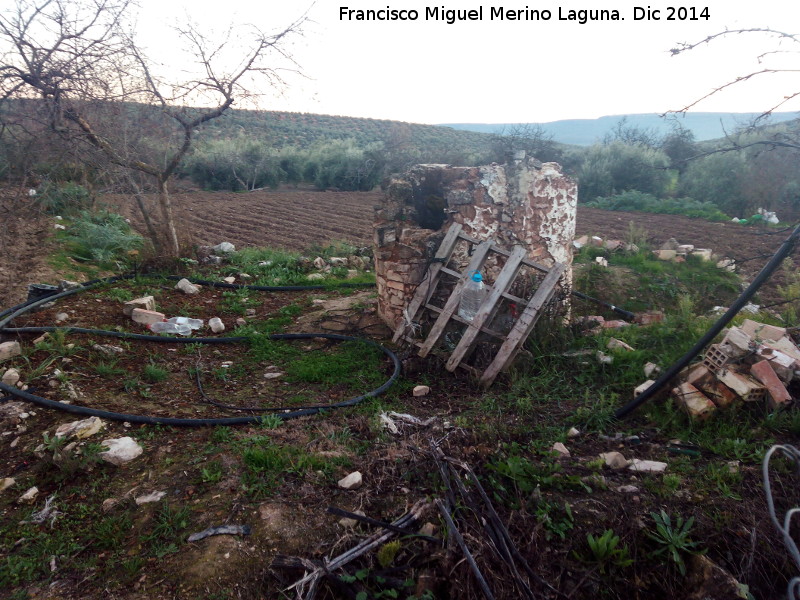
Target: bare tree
x=786, y=46
x=83, y=64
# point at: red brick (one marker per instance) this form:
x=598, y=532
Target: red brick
x=775, y=389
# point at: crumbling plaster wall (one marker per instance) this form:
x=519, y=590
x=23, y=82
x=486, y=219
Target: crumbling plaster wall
x=525, y=203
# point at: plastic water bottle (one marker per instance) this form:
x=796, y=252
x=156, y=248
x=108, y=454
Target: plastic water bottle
x=471, y=297
x=192, y=323
x=171, y=328
x=177, y=325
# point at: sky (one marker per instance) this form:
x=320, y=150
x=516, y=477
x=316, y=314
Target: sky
x=503, y=71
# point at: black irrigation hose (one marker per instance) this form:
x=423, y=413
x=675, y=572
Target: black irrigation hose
x=744, y=298
x=625, y=314
x=9, y=314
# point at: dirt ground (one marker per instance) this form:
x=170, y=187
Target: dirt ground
x=111, y=546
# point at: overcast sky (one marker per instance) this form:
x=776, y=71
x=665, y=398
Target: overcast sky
x=493, y=70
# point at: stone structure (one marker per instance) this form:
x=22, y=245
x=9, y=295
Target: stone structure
x=525, y=202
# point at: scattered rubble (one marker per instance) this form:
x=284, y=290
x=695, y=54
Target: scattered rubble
x=187, y=287
x=352, y=481
x=146, y=317
x=614, y=460
x=560, y=449
x=144, y=303
x=421, y=390
x=29, y=497
x=120, y=450
x=647, y=466
x=6, y=483
x=80, y=429
x=11, y=377
x=9, y=350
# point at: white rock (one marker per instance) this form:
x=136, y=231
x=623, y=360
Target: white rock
x=628, y=489
x=348, y=522
x=80, y=429
x=29, y=496
x=615, y=460
x=603, y=358
x=151, y=497
x=6, y=482
x=615, y=344
x=216, y=325
x=319, y=263
x=224, y=248
x=120, y=450
x=601, y=261
x=272, y=375
x=62, y=316
x=11, y=377
x=352, y=481
x=229, y=279
x=421, y=390
x=338, y=261
x=9, y=350
x=647, y=466
x=650, y=368
x=561, y=449
x=573, y=433
x=187, y=287
x=315, y=276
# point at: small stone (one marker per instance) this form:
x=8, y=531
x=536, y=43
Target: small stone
x=187, y=287
x=229, y=279
x=9, y=350
x=421, y=390
x=121, y=450
x=65, y=285
x=250, y=312
x=272, y=375
x=224, y=248
x=240, y=322
x=573, y=433
x=245, y=276
x=146, y=317
x=348, y=522
x=614, y=460
x=61, y=317
x=149, y=498
x=216, y=325
x=650, y=368
x=29, y=497
x=560, y=449
x=615, y=344
x=428, y=529
x=145, y=303
x=6, y=483
x=603, y=358
x=352, y=481
x=109, y=503
x=11, y=377
x=108, y=349
x=315, y=277
x=319, y=263
x=628, y=489
x=601, y=261
x=80, y=429
x=647, y=466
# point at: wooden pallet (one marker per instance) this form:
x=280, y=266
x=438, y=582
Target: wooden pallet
x=510, y=343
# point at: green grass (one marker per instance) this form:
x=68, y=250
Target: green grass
x=152, y=373
x=349, y=362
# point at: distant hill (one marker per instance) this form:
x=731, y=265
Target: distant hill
x=583, y=132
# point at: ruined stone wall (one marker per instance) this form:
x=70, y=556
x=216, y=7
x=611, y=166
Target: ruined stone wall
x=523, y=203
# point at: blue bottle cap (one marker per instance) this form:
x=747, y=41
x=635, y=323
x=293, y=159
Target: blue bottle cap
x=477, y=276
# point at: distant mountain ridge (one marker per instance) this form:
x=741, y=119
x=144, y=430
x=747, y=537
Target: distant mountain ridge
x=584, y=132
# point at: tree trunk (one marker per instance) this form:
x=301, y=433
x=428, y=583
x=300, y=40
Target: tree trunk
x=165, y=201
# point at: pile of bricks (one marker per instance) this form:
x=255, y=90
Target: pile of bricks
x=753, y=363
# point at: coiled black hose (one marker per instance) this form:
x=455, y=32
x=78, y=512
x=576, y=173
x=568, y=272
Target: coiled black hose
x=9, y=314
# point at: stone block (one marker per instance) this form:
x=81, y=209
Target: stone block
x=647, y=466
x=783, y=364
x=685, y=248
x=145, y=303
x=736, y=343
x=776, y=391
x=693, y=401
x=697, y=375
x=715, y=358
x=597, y=242
x=665, y=254
x=716, y=391
x=146, y=317
x=187, y=287
x=747, y=388
x=649, y=317
x=786, y=346
x=761, y=332
x=703, y=253
x=614, y=460
x=9, y=350
x=642, y=387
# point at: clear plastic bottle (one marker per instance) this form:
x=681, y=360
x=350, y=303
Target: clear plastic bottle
x=192, y=323
x=171, y=328
x=471, y=297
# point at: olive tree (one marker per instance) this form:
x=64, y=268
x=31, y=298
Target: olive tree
x=81, y=63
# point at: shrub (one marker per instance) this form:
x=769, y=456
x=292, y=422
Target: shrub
x=65, y=198
x=634, y=200
x=103, y=237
